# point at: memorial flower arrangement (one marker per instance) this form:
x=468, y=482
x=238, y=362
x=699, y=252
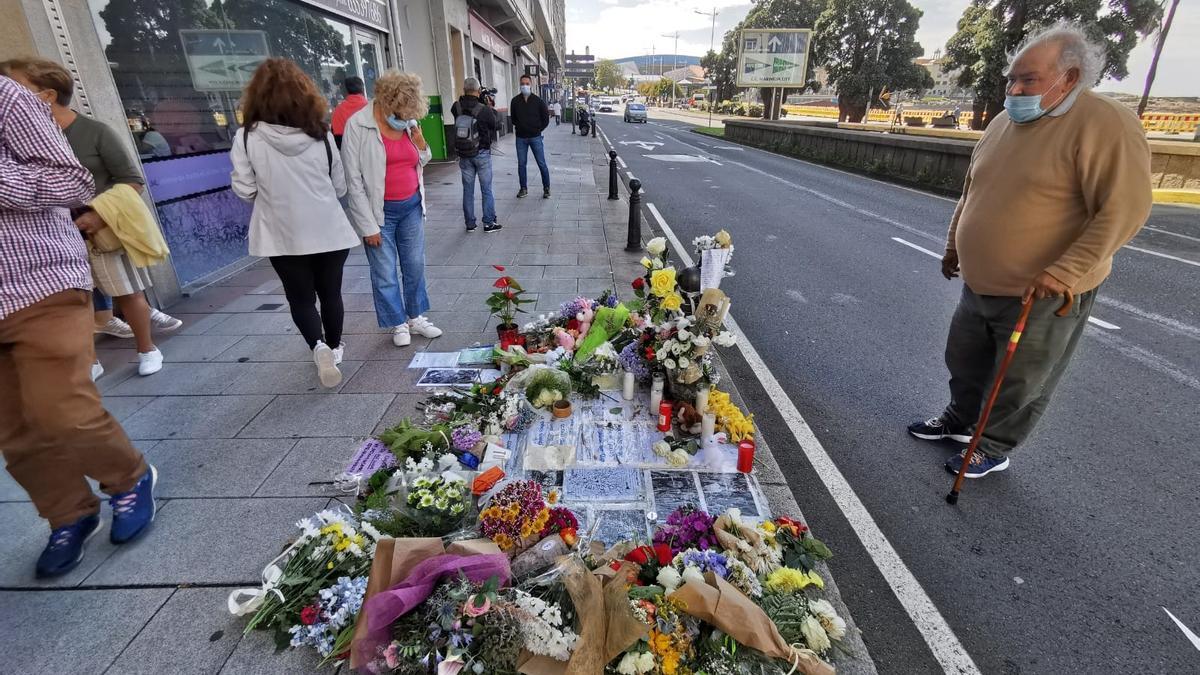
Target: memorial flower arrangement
x=686, y=528
x=505, y=303
x=514, y=515
x=438, y=502
x=736, y=424
x=327, y=624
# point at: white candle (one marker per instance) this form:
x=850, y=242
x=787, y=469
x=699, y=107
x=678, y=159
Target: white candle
x=628, y=388
x=708, y=428
x=656, y=394
x=702, y=400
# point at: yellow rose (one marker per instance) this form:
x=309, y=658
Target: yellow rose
x=662, y=281
x=673, y=301
x=723, y=239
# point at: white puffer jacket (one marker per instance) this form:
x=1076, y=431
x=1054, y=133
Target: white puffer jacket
x=366, y=166
x=294, y=185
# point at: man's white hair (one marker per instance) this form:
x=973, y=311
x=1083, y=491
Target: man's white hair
x=1077, y=50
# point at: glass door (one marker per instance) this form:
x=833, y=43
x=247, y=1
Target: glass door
x=369, y=59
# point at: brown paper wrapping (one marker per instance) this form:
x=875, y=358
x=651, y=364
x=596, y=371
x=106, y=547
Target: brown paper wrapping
x=718, y=603
x=395, y=558
x=607, y=626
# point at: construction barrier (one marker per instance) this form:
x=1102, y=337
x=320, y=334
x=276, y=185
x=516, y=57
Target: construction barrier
x=1158, y=122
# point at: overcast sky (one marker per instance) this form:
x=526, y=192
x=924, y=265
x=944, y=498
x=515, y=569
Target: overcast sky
x=620, y=28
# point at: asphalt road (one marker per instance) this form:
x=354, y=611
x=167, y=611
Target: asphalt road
x=1062, y=564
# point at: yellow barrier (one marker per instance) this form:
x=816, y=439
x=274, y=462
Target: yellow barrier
x=1161, y=122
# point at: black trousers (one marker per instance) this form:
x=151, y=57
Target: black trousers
x=307, y=278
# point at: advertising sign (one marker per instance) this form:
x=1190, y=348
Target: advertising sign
x=773, y=57
x=223, y=60
x=371, y=13
x=487, y=37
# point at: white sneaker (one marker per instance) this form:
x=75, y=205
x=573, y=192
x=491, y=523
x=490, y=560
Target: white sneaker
x=338, y=352
x=327, y=368
x=164, y=322
x=116, y=328
x=421, y=326
x=400, y=336
x=97, y=371
x=150, y=362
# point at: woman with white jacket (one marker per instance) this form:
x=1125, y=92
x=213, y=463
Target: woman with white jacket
x=286, y=164
x=384, y=153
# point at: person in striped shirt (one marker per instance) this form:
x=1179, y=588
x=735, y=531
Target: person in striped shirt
x=54, y=432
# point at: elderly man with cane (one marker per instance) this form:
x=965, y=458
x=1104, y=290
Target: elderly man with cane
x=1058, y=183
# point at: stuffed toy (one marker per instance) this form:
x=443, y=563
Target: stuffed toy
x=564, y=339
x=585, y=321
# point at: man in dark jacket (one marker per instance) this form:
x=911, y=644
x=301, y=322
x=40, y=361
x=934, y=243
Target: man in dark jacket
x=530, y=116
x=480, y=164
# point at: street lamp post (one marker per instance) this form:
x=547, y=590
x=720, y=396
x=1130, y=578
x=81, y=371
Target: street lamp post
x=711, y=36
x=674, y=61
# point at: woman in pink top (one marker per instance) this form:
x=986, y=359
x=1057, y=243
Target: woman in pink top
x=384, y=152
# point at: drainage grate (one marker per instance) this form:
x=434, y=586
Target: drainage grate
x=268, y=307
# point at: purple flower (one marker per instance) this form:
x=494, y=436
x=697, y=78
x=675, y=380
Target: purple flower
x=631, y=360
x=465, y=438
x=686, y=527
x=570, y=308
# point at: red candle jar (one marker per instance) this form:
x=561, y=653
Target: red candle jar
x=664, y=416
x=745, y=461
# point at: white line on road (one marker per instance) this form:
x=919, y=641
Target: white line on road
x=1187, y=632
x=918, y=248
x=621, y=162
x=942, y=641
x=1149, y=359
x=1103, y=324
x=1163, y=255
x=1173, y=234
x=1164, y=321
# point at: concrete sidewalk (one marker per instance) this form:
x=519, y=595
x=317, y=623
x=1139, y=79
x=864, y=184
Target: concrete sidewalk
x=246, y=441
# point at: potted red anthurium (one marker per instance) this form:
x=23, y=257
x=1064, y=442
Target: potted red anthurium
x=505, y=304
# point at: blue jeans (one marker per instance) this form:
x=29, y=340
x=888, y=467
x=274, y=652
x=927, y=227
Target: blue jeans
x=539, y=155
x=403, y=234
x=100, y=301
x=479, y=165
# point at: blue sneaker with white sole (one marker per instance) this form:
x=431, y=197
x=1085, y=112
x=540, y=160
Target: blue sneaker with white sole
x=133, y=511
x=65, y=549
x=980, y=466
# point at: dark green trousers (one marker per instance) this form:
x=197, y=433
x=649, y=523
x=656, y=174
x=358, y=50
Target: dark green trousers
x=979, y=334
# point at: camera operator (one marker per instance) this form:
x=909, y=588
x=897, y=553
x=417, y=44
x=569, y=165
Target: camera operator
x=475, y=126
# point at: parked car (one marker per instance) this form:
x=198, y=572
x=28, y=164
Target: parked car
x=635, y=112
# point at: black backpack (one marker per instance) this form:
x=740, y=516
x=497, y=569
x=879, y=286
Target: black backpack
x=466, y=131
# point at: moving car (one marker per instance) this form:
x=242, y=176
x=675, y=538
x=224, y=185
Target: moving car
x=635, y=112
x=606, y=104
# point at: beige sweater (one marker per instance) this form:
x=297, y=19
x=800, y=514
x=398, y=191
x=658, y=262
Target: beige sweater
x=1060, y=195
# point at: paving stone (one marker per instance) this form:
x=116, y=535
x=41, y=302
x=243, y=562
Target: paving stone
x=255, y=324
x=181, y=379
x=257, y=304
x=357, y=285
x=196, y=324
x=26, y=536
x=384, y=377
x=461, y=321
x=249, y=277
x=208, y=300
x=182, y=348
x=121, y=407
x=405, y=406
x=72, y=631
x=548, y=259
x=267, y=348
x=316, y=415
x=185, y=637
x=255, y=655
x=579, y=272
x=309, y=469
x=519, y=272
x=462, y=285
x=451, y=271
x=194, y=416
x=362, y=323
x=286, y=378
x=358, y=302
x=211, y=541
x=233, y=467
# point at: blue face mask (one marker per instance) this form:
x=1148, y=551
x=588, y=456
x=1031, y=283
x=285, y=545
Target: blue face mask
x=525, y=89
x=1025, y=109
x=397, y=123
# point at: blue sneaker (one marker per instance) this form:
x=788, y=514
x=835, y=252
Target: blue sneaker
x=65, y=549
x=981, y=465
x=133, y=511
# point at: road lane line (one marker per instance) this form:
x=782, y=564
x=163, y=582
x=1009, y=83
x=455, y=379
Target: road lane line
x=1187, y=632
x=1173, y=234
x=918, y=248
x=1103, y=324
x=1164, y=321
x=1163, y=255
x=621, y=162
x=942, y=641
x=1149, y=359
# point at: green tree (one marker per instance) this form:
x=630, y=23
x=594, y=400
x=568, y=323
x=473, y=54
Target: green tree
x=608, y=75
x=988, y=29
x=719, y=68
x=866, y=45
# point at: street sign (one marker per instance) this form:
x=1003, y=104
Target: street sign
x=223, y=60
x=773, y=57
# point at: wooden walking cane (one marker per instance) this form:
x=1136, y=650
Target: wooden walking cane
x=1013, y=340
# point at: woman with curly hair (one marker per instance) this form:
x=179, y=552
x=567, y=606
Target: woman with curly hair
x=384, y=153
x=285, y=164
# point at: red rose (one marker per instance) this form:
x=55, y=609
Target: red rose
x=639, y=283
x=639, y=555
x=497, y=390
x=649, y=353
x=663, y=551
x=309, y=615
x=502, y=282
x=499, y=268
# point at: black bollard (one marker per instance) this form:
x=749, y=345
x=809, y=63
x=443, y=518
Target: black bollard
x=633, y=242
x=612, y=174
x=594, y=125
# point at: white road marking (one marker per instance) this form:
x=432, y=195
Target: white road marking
x=729, y=147
x=1103, y=324
x=621, y=162
x=1149, y=359
x=941, y=639
x=1164, y=321
x=630, y=174
x=1163, y=255
x=1173, y=234
x=681, y=158
x=645, y=145
x=922, y=249
x=1187, y=632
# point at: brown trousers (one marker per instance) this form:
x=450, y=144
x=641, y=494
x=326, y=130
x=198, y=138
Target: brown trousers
x=54, y=432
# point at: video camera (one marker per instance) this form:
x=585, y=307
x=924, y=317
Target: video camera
x=489, y=96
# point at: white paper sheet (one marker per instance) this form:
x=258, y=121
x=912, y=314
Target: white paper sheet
x=712, y=267
x=434, y=360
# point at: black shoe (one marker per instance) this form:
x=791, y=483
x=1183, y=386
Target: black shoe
x=522, y=192
x=935, y=430
x=980, y=466
x=545, y=193
x=492, y=227
x=471, y=227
